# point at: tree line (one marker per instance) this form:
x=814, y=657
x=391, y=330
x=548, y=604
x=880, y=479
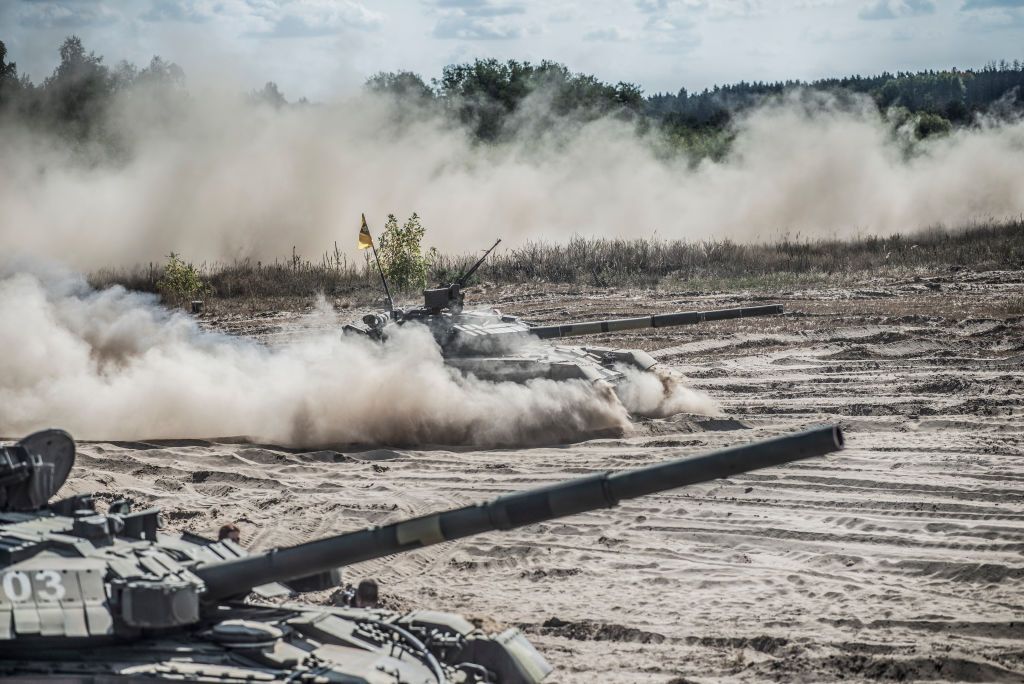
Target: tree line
x=497, y=99
x=956, y=95
x=487, y=93
x=74, y=100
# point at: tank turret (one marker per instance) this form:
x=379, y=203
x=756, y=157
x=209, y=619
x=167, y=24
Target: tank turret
x=88, y=595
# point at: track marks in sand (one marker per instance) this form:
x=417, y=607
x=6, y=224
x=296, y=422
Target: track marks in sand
x=901, y=558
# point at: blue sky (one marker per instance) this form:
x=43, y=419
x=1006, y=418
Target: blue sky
x=317, y=48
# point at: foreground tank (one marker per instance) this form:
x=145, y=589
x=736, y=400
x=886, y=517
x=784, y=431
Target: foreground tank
x=90, y=596
x=497, y=347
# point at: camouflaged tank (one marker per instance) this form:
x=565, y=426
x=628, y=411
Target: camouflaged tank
x=498, y=347
x=99, y=597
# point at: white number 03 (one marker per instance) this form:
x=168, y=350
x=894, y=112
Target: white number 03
x=17, y=586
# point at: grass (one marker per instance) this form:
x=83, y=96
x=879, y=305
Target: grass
x=602, y=262
x=295, y=277
x=596, y=262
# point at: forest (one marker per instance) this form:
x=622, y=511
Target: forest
x=495, y=99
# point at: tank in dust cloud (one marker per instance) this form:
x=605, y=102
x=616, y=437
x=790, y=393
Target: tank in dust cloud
x=91, y=596
x=497, y=347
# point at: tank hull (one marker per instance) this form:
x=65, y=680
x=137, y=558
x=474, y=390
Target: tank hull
x=269, y=644
x=561, y=363
x=490, y=346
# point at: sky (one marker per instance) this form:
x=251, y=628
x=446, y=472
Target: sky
x=321, y=48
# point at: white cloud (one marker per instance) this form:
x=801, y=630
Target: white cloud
x=66, y=15
x=669, y=24
x=562, y=15
x=477, y=20
x=715, y=9
x=481, y=8
x=723, y=9
x=990, y=4
x=284, y=19
x=649, y=6
x=178, y=10
x=1006, y=20
x=612, y=35
x=894, y=9
x=473, y=28
x=310, y=18
x=671, y=34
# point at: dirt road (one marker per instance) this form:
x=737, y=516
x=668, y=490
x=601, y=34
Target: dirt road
x=901, y=558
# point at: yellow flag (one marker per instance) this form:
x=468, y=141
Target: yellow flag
x=365, y=241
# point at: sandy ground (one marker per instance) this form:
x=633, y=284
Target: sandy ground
x=901, y=558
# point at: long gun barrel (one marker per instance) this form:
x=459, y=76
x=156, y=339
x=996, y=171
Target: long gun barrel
x=656, y=321
x=237, y=576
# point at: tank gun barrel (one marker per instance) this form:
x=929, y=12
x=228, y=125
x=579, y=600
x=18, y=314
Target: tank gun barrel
x=237, y=576
x=656, y=321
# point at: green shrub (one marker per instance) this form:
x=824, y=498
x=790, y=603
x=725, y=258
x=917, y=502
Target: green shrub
x=180, y=281
x=931, y=124
x=401, y=254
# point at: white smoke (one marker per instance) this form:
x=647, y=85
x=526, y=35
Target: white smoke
x=659, y=393
x=112, y=364
x=216, y=178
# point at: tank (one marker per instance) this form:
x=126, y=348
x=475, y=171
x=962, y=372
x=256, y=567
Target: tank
x=497, y=347
x=107, y=596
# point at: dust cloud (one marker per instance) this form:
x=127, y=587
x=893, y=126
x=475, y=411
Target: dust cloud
x=112, y=364
x=217, y=178
x=660, y=393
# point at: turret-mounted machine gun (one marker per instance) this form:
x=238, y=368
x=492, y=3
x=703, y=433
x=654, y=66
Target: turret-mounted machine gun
x=451, y=298
x=91, y=596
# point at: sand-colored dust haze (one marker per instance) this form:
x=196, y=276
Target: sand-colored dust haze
x=660, y=392
x=114, y=365
x=213, y=177
x=216, y=178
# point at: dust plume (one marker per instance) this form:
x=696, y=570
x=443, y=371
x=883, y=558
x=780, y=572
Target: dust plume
x=661, y=393
x=112, y=364
x=219, y=178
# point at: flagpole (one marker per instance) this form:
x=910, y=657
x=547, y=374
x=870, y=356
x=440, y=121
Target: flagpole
x=383, y=280
x=376, y=259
